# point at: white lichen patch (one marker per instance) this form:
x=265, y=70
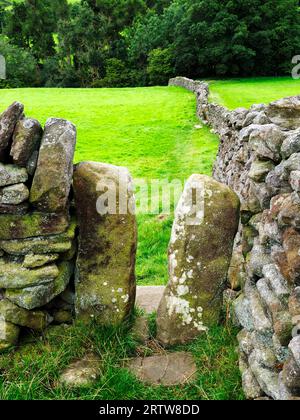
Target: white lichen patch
x=182, y=290
x=125, y=298
x=181, y=307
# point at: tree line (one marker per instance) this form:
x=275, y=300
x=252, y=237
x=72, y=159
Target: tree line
x=118, y=43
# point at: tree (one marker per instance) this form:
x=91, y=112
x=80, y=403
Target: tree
x=160, y=66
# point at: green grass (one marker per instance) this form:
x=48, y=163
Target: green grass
x=33, y=371
x=246, y=92
x=149, y=130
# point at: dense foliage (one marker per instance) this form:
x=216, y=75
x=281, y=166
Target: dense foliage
x=144, y=42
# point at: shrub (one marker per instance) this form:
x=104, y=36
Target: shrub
x=160, y=66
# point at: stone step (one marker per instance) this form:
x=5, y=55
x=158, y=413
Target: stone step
x=148, y=297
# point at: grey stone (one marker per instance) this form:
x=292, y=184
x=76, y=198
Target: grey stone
x=268, y=296
x=14, y=276
x=260, y=169
x=291, y=144
x=243, y=312
x=12, y=174
x=276, y=281
x=20, y=209
x=105, y=277
x=259, y=257
x=53, y=176
x=167, y=370
x=8, y=121
x=38, y=296
x=294, y=346
x=140, y=330
x=285, y=112
x=291, y=374
x=266, y=141
x=34, y=260
x=32, y=163
x=14, y=194
x=26, y=139
x=199, y=256
x=251, y=387
x=82, y=373
x=149, y=297
x=36, y=320
x=265, y=374
x=295, y=180
x=9, y=335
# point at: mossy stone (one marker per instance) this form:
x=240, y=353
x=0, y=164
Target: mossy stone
x=36, y=320
x=9, y=335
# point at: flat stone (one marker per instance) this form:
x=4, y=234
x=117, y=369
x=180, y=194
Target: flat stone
x=295, y=180
x=51, y=244
x=36, y=320
x=266, y=141
x=294, y=346
x=15, y=276
x=26, y=139
x=53, y=176
x=12, y=174
x=20, y=209
x=34, y=261
x=291, y=144
x=14, y=194
x=8, y=121
x=82, y=373
x=285, y=112
x=9, y=335
x=38, y=296
x=200, y=251
x=105, y=279
x=149, y=297
x=168, y=370
x=260, y=169
x=32, y=225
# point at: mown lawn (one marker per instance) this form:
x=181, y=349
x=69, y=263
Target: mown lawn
x=149, y=130
x=246, y=92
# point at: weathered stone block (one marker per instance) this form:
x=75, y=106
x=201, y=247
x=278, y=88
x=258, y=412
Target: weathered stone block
x=199, y=256
x=14, y=194
x=53, y=176
x=12, y=174
x=35, y=224
x=36, y=320
x=285, y=112
x=9, y=335
x=105, y=285
x=8, y=121
x=26, y=139
x=38, y=296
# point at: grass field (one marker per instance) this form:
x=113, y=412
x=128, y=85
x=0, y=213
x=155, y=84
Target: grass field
x=149, y=130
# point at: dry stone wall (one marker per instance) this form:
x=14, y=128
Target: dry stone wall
x=43, y=277
x=259, y=158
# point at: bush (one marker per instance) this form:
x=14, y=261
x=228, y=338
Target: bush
x=21, y=66
x=116, y=75
x=160, y=66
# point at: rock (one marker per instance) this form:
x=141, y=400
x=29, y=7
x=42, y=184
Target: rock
x=82, y=373
x=36, y=320
x=62, y=316
x=53, y=176
x=26, y=139
x=269, y=233
x=283, y=327
x=294, y=302
x=105, y=281
x=260, y=169
x=291, y=374
x=291, y=144
x=200, y=251
x=34, y=261
x=285, y=392
x=289, y=214
x=51, y=244
x=295, y=180
x=259, y=257
x=12, y=174
x=149, y=297
x=269, y=298
x=32, y=225
x=291, y=246
x=294, y=346
x=251, y=387
x=276, y=281
x=266, y=141
x=14, y=194
x=14, y=276
x=38, y=296
x=261, y=321
x=281, y=352
x=20, y=209
x=32, y=163
x=248, y=239
x=167, y=370
x=285, y=112
x=9, y=335
x=243, y=312
x=245, y=342
x=140, y=329
x=260, y=364
x=8, y=121
x=236, y=272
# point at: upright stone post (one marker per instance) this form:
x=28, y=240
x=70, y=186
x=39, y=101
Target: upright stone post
x=200, y=250
x=105, y=280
